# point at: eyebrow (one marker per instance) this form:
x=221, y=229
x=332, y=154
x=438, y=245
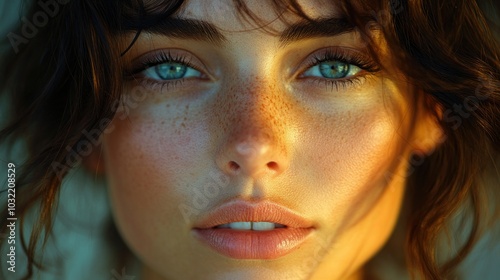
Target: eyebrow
x=206, y=31
x=187, y=29
x=317, y=28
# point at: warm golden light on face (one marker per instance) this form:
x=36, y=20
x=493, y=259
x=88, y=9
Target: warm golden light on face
x=311, y=125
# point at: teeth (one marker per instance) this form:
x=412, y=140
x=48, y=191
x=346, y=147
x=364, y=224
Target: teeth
x=241, y=225
x=259, y=226
x=262, y=226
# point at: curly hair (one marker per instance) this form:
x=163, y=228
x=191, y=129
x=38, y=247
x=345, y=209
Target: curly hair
x=63, y=77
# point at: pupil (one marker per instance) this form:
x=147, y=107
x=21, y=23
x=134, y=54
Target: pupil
x=171, y=71
x=334, y=69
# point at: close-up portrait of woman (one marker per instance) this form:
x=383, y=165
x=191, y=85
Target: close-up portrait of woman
x=250, y=139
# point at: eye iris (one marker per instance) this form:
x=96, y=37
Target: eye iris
x=169, y=71
x=334, y=69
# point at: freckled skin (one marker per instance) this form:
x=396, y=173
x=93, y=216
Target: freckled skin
x=320, y=152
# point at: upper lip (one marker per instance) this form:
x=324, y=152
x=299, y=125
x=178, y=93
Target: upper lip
x=243, y=211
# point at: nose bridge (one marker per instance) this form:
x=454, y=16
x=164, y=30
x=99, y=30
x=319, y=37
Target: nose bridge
x=257, y=111
x=254, y=119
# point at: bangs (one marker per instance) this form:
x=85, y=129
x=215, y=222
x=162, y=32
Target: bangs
x=139, y=15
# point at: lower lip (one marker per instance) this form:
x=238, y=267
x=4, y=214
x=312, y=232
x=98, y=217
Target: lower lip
x=251, y=244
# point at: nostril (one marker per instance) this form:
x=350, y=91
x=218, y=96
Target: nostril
x=272, y=165
x=233, y=166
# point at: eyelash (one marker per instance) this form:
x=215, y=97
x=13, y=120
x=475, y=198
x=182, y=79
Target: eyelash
x=155, y=60
x=349, y=57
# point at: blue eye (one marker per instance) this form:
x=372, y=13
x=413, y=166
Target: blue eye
x=170, y=71
x=332, y=69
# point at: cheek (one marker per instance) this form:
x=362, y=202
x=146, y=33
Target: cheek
x=351, y=153
x=150, y=160
x=353, y=145
x=363, y=146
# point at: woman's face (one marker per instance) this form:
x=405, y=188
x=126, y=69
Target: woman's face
x=247, y=126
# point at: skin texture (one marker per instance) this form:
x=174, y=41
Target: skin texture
x=252, y=128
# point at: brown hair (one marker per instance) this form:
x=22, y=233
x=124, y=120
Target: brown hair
x=66, y=77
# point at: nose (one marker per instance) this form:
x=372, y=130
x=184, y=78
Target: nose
x=252, y=153
x=256, y=143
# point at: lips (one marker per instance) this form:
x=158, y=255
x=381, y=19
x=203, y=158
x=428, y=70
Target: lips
x=243, y=230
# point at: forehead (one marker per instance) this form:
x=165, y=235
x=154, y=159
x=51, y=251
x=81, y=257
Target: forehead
x=228, y=15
